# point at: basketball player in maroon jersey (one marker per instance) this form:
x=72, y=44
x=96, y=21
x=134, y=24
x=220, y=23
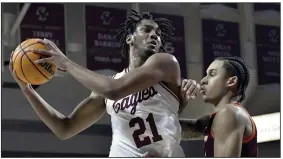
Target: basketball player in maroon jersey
x=229, y=131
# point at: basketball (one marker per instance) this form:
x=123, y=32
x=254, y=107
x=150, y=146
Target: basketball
x=25, y=68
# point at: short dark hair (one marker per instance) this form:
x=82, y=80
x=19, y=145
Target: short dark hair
x=237, y=67
x=133, y=19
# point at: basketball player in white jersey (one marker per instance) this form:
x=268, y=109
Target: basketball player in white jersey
x=143, y=100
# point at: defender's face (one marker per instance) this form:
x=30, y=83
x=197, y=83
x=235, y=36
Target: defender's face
x=147, y=37
x=214, y=84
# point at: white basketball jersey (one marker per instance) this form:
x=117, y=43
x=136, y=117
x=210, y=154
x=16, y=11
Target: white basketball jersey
x=146, y=121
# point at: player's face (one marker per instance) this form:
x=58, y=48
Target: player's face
x=214, y=84
x=147, y=37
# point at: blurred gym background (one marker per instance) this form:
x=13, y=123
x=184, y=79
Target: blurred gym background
x=85, y=31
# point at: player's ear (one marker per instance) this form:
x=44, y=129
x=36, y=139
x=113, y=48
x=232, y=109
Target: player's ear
x=129, y=39
x=232, y=81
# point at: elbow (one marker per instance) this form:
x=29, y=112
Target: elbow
x=62, y=136
x=64, y=132
x=65, y=137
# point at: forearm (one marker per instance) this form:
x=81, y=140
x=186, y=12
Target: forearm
x=100, y=84
x=51, y=117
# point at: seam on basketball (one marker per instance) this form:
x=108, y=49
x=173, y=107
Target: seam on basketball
x=23, y=44
x=23, y=69
x=34, y=64
x=14, y=60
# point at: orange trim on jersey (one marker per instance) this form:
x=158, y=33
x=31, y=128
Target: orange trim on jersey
x=211, y=133
x=249, y=138
x=212, y=114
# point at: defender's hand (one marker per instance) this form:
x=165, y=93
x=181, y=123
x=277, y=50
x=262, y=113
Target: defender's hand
x=189, y=88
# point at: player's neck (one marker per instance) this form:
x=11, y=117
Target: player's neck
x=135, y=60
x=227, y=99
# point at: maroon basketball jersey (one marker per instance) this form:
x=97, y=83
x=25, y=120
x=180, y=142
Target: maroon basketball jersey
x=249, y=144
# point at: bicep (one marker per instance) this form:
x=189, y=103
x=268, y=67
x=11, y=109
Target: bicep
x=228, y=145
x=89, y=111
x=228, y=134
x=159, y=67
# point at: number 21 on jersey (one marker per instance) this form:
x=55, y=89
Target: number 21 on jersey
x=146, y=140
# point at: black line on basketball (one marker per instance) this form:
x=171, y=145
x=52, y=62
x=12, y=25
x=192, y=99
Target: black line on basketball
x=34, y=64
x=23, y=69
x=22, y=44
x=15, y=59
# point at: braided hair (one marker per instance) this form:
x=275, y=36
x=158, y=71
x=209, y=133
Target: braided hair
x=237, y=67
x=133, y=19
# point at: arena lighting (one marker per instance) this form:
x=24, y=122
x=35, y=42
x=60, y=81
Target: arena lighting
x=268, y=127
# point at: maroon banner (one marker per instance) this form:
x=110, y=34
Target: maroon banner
x=219, y=38
x=268, y=54
x=44, y=20
x=177, y=46
x=104, y=52
x=266, y=6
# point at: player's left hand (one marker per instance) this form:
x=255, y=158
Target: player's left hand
x=21, y=83
x=54, y=54
x=189, y=88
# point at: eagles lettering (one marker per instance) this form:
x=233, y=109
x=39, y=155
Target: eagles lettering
x=133, y=100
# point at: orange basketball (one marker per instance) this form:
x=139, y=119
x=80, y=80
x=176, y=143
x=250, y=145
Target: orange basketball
x=25, y=68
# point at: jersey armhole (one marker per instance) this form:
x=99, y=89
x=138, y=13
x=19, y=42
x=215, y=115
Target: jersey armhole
x=163, y=84
x=249, y=138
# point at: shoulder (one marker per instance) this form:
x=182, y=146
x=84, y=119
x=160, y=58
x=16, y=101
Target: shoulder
x=163, y=58
x=227, y=111
x=165, y=64
x=229, y=116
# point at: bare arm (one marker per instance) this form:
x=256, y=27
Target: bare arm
x=85, y=114
x=228, y=134
x=158, y=67
x=193, y=128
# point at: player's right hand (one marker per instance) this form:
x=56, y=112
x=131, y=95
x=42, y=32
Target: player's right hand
x=189, y=88
x=22, y=84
